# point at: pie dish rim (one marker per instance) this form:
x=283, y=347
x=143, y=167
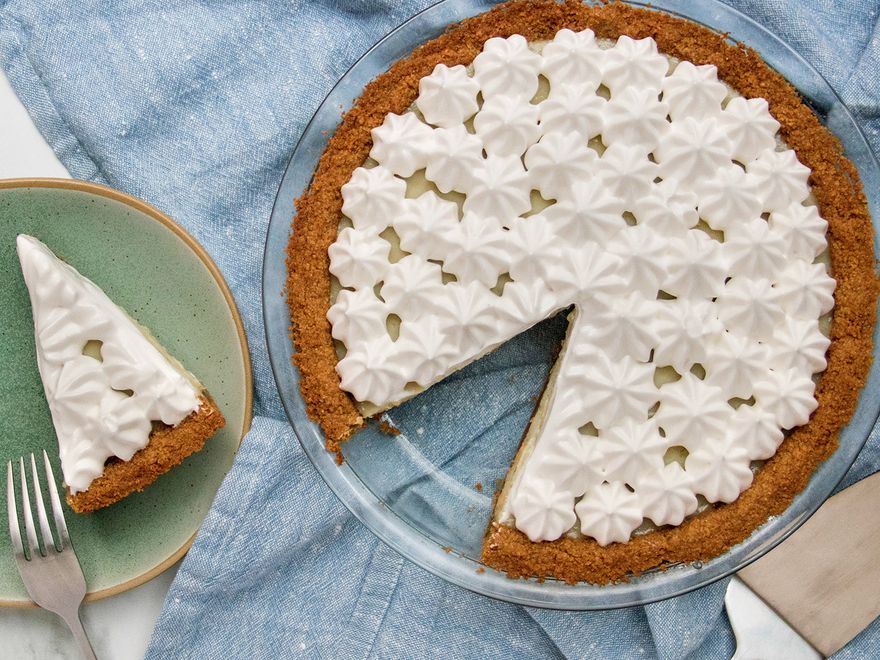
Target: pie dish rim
x=275, y=349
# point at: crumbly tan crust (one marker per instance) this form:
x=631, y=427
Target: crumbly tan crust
x=168, y=446
x=835, y=184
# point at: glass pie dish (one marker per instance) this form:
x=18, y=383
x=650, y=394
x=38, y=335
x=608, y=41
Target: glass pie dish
x=427, y=491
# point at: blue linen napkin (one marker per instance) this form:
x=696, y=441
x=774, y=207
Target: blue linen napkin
x=196, y=107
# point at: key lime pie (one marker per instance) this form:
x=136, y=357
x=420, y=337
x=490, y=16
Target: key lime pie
x=124, y=410
x=664, y=188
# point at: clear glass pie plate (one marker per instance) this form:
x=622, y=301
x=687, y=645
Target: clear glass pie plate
x=428, y=491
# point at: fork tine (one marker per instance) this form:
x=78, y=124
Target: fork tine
x=45, y=530
x=33, y=544
x=57, y=511
x=12, y=512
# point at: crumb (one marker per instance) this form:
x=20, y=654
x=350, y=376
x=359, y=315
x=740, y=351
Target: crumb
x=481, y=570
x=387, y=427
x=447, y=549
x=168, y=446
x=479, y=487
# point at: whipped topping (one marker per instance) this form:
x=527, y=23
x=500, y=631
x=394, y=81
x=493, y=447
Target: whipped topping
x=453, y=156
x=478, y=250
x=586, y=213
x=411, y=285
x=624, y=325
x=626, y=171
x=499, y=188
x=507, y=128
x=719, y=473
x=642, y=254
x=372, y=197
x=692, y=413
x=581, y=273
x=788, y=395
x=752, y=247
x=750, y=127
x=572, y=109
x=692, y=148
x=734, y=363
x=609, y=513
x=801, y=230
x=546, y=512
x=633, y=63
x=635, y=117
x=798, y=344
x=356, y=314
x=619, y=389
x=530, y=245
x=780, y=178
x=508, y=67
x=755, y=429
x=685, y=238
x=749, y=307
x=100, y=407
x=574, y=462
x=419, y=224
x=668, y=213
x=695, y=267
x=448, y=97
x=693, y=91
x=559, y=163
x=666, y=495
x=359, y=256
x=573, y=58
x=685, y=328
x=806, y=291
x=402, y=144
x=632, y=449
x=728, y=197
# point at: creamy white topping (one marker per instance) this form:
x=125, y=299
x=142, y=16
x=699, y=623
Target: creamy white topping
x=448, y=96
x=684, y=236
x=104, y=405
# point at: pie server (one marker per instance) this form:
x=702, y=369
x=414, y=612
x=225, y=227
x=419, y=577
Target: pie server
x=817, y=590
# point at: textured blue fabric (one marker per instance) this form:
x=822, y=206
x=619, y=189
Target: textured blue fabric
x=195, y=107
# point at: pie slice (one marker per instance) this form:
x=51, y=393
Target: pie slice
x=124, y=410
x=663, y=185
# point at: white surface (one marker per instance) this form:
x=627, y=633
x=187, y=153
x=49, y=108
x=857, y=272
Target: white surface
x=23, y=151
x=119, y=627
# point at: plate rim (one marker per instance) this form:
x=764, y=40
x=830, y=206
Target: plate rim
x=147, y=209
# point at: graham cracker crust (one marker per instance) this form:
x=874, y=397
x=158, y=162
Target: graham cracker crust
x=836, y=186
x=168, y=446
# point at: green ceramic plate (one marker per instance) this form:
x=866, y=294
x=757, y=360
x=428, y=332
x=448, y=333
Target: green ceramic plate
x=162, y=277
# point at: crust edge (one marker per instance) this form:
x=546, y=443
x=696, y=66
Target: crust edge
x=168, y=447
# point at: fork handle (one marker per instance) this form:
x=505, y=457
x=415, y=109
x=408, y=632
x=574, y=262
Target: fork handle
x=73, y=622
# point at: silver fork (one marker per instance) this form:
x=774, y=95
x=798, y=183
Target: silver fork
x=51, y=573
